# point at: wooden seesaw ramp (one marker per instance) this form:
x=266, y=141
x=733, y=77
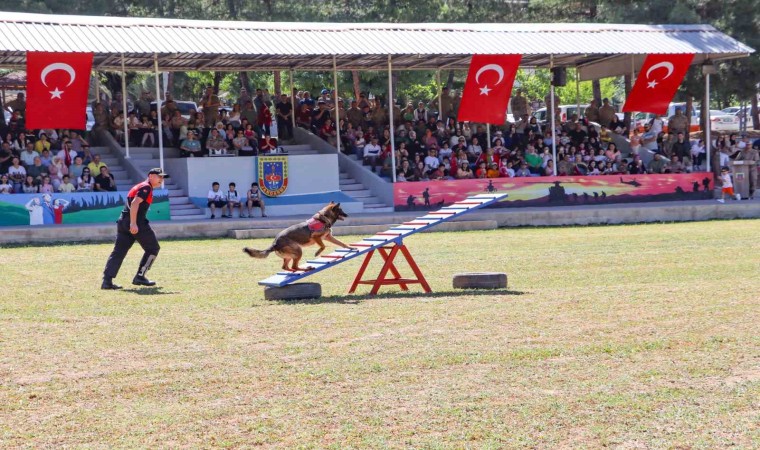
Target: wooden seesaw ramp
x=388, y=244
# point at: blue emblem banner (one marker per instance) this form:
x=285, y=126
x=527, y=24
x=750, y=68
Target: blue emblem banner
x=273, y=175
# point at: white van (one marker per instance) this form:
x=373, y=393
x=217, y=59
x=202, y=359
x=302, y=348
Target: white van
x=565, y=111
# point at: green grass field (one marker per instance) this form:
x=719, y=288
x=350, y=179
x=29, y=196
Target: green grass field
x=630, y=337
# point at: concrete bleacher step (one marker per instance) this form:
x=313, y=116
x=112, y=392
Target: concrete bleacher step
x=179, y=200
x=344, y=176
x=176, y=192
x=196, y=216
x=186, y=212
x=366, y=230
x=352, y=187
x=182, y=206
x=363, y=193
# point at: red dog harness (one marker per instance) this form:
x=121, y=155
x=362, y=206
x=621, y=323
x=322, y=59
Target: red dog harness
x=315, y=224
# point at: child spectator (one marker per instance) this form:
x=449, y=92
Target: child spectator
x=46, y=187
x=16, y=174
x=254, y=199
x=372, y=153
x=727, y=185
x=233, y=200
x=216, y=200
x=29, y=186
x=5, y=185
x=57, y=170
x=66, y=187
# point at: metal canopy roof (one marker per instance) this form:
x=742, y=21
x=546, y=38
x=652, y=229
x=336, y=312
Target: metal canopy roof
x=599, y=50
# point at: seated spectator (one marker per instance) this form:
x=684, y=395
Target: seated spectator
x=564, y=167
x=37, y=170
x=57, y=170
x=66, y=186
x=492, y=171
x=431, y=160
x=29, y=186
x=42, y=143
x=464, y=172
x=86, y=182
x=254, y=199
x=233, y=200
x=535, y=161
x=359, y=145
x=303, y=117
x=593, y=169
x=489, y=157
x=96, y=164
x=657, y=164
x=267, y=145
x=437, y=173
x=474, y=150
x=328, y=133
x=523, y=171
x=675, y=166
x=216, y=199
x=548, y=170
x=372, y=153
x=16, y=174
x=420, y=174
x=242, y=145
x=75, y=171
x=5, y=185
x=46, y=187
x=216, y=144
x=636, y=167
x=146, y=130
x=46, y=158
x=67, y=153
x=406, y=170
x=506, y=169
x=191, y=146
x=28, y=154
x=105, y=182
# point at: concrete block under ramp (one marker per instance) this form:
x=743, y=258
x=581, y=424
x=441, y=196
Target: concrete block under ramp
x=480, y=280
x=295, y=291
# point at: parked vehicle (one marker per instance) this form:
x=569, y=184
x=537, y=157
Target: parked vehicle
x=720, y=121
x=184, y=107
x=565, y=111
x=640, y=119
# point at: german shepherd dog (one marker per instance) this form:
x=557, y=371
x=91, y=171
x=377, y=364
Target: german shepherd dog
x=288, y=242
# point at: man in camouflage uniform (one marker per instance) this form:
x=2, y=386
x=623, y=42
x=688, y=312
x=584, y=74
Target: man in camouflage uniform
x=592, y=112
x=749, y=153
x=678, y=123
x=519, y=105
x=606, y=113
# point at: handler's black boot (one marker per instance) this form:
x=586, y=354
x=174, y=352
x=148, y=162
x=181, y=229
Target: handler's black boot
x=108, y=284
x=140, y=280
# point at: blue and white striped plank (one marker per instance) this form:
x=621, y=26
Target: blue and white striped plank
x=395, y=233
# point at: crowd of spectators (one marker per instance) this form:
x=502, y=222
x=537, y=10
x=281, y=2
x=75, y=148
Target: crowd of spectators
x=48, y=160
x=213, y=129
x=434, y=146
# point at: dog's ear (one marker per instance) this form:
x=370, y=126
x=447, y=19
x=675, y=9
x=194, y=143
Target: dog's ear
x=337, y=205
x=332, y=202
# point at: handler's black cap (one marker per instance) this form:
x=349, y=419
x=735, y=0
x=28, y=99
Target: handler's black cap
x=158, y=171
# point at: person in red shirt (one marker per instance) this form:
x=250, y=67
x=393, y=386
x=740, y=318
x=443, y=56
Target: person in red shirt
x=133, y=226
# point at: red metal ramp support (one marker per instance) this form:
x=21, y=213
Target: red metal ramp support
x=389, y=253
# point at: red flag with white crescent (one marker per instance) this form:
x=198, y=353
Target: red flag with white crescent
x=657, y=82
x=487, y=89
x=57, y=85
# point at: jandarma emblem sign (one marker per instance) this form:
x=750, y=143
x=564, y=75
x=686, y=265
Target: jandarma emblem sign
x=273, y=175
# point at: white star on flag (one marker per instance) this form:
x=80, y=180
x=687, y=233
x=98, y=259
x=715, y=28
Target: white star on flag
x=652, y=84
x=55, y=94
x=484, y=90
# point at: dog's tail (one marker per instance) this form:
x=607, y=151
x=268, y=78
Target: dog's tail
x=261, y=254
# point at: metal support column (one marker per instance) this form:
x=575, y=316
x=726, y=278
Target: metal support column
x=292, y=103
x=440, y=95
x=124, y=106
x=337, y=108
x=708, y=138
x=553, y=115
x=390, y=115
x=158, y=111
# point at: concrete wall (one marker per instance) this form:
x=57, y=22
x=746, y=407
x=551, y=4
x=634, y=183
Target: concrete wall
x=307, y=174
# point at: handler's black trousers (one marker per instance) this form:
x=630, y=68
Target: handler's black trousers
x=124, y=241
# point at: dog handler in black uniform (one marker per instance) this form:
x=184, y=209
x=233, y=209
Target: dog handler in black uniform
x=133, y=226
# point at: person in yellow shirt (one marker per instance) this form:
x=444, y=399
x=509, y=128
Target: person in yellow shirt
x=42, y=143
x=96, y=164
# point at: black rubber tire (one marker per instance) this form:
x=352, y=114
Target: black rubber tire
x=295, y=291
x=480, y=280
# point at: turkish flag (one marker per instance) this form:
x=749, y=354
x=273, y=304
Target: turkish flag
x=487, y=89
x=57, y=85
x=657, y=82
